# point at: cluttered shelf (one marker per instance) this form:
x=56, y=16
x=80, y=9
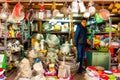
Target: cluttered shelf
x=55, y=32
x=10, y=37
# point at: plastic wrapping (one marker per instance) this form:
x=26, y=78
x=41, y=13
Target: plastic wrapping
x=64, y=71
x=5, y=12
x=51, y=55
x=52, y=40
x=38, y=78
x=75, y=7
x=24, y=70
x=65, y=48
x=82, y=7
x=18, y=12
x=92, y=10
x=38, y=67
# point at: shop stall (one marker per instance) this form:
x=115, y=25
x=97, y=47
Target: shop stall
x=37, y=39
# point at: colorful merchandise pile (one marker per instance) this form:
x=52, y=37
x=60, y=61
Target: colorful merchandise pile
x=2, y=77
x=47, y=60
x=93, y=73
x=37, y=72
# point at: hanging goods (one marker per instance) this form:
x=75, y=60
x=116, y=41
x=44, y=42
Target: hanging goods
x=82, y=6
x=75, y=6
x=86, y=14
x=53, y=6
x=65, y=9
x=18, y=12
x=91, y=8
x=41, y=13
x=5, y=12
x=104, y=13
x=30, y=13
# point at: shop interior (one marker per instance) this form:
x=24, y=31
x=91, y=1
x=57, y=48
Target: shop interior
x=37, y=39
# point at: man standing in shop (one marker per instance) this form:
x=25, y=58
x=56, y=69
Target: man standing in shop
x=80, y=41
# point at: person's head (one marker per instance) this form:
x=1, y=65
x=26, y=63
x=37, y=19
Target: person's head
x=84, y=21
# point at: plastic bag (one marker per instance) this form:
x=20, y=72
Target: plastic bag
x=52, y=40
x=18, y=12
x=38, y=67
x=82, y=7
x=64, y=71
x=75, y=6
x=5, y=12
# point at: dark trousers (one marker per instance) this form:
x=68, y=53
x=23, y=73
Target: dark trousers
x=80, y=53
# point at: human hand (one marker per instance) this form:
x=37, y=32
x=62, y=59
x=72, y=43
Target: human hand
x=74, y=48
x=88, y=41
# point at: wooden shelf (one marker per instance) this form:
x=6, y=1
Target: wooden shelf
x=106, y=34
x=102, y=33
x=10, y=37
x=55, y=32
x=61, y=20
x=52, y=0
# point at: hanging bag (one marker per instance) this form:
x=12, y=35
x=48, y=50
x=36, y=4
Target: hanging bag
x=82, y=6
x=91, y=8
x=75, y=6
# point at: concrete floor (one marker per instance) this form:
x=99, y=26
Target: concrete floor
x=75, y=76
x=78, y=77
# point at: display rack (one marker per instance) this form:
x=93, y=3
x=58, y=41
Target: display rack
x=110, y=39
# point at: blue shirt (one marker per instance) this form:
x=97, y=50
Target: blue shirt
x=80, y=36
